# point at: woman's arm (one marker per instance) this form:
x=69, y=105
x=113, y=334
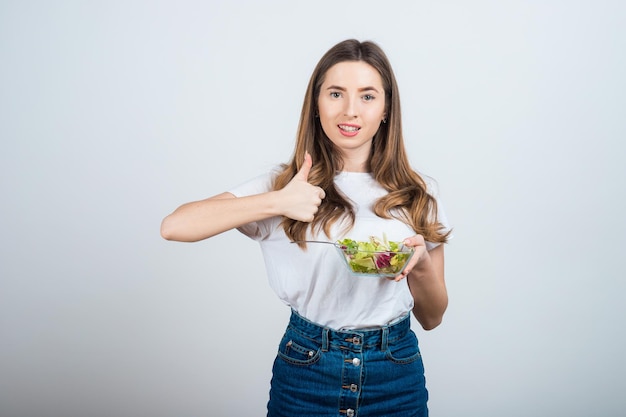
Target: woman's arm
x=199, y=220
x=426, y=283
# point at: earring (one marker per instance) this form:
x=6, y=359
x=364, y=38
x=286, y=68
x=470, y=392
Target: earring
x=385, y=120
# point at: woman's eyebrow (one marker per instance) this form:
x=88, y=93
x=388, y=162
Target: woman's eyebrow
x=362, y=89
x=369, y=88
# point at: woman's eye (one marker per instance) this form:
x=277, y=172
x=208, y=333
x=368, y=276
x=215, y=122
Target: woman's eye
x=335, y=94
x=368, y=97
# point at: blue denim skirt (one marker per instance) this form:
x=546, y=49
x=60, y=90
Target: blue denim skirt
x=321, y=372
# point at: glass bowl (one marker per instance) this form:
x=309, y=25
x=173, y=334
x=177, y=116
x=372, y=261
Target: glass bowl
x=375, y=263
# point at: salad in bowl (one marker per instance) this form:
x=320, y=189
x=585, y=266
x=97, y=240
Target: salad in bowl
x=374, y=257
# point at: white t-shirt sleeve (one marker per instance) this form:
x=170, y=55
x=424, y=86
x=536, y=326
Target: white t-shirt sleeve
x=258, y=185
x=433, y=190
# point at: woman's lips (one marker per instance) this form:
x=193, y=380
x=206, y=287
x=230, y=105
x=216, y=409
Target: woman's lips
x=349, y=130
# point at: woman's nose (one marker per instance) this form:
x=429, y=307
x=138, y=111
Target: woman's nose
x=350, y=109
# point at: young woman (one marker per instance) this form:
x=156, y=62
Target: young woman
x=348, y=348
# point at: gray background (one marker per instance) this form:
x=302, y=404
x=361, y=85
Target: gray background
x=113, y=113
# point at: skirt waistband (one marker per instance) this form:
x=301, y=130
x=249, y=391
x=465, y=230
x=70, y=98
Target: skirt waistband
x=353, y=339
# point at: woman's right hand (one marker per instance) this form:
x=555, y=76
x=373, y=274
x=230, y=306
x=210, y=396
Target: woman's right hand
x=199, y=220
x=301, y=200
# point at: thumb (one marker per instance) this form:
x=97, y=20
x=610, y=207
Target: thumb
x=305, y=168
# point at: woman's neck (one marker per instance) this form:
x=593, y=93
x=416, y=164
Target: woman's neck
x=356, y=163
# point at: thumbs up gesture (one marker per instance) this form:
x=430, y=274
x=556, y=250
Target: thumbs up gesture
x=301, y=200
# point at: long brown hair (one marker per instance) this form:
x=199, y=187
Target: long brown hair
x=407, y=200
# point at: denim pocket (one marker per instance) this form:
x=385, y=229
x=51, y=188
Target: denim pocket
x=404, y=350
x=298, y=350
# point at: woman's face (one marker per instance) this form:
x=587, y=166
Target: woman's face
x=351, y=106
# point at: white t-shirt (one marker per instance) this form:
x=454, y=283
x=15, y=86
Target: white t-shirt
x=315, y=282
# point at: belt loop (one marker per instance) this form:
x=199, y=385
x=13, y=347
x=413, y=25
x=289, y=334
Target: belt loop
x=325, y=339
x=384, y=337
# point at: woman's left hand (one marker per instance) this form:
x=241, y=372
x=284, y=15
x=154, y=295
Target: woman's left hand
x=419, y=246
